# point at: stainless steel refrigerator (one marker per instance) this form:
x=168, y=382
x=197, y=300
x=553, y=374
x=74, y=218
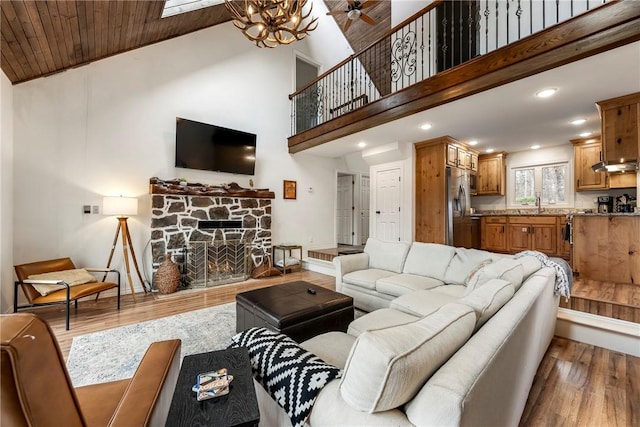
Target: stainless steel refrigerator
x=458, y=222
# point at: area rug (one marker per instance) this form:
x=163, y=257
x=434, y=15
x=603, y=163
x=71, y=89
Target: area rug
x=114, y=354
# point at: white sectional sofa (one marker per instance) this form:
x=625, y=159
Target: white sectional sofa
x=453, y=337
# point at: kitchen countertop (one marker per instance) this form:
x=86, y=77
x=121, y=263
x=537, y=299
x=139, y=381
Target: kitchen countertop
x=559, y=212
x=607, y=214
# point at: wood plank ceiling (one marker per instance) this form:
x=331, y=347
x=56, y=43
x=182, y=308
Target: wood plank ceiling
x=40, y=38
x=45, y=37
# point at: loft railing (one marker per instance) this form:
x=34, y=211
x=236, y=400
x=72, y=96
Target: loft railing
x=439, y=37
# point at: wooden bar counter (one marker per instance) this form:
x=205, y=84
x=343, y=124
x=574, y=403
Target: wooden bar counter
x=606, y=247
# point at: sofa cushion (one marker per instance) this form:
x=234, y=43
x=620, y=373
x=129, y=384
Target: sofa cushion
x=457, y=291
x=387, y=367
x=530, y=265
x=506, y=268
x=332, y=347
x=421, y=303
x=487, y=299
x=400, y=284
x=429, y=259
x=462, y=263
x=379, y=319
x=386, y=255
x=366, y=278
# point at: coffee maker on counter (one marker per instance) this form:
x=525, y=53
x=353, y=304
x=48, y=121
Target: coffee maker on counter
x=625, y=203
x=605, y=204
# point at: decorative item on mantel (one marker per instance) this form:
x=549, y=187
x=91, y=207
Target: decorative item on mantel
x=167, y=276
x=158, y=186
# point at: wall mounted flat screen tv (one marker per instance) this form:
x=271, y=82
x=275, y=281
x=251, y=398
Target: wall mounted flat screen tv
x=214, y=148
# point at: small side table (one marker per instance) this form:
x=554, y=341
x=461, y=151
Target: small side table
x=287, y=253
x=238, y=408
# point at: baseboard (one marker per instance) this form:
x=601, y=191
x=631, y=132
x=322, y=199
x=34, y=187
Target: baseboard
x=319, y=266
x=605, y=332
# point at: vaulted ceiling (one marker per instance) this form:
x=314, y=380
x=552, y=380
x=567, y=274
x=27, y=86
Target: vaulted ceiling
x=40, y=38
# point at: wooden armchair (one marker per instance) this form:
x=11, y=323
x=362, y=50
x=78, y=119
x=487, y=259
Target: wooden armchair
x=62, y=296
x=37, y=391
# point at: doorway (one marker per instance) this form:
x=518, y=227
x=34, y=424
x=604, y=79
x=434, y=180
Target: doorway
x=387, y=204
x=306, y=104
x=352, y=209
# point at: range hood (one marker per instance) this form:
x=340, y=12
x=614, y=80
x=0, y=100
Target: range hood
x=623, y=166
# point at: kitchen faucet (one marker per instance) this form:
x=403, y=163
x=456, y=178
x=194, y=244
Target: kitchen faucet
x=538, y=203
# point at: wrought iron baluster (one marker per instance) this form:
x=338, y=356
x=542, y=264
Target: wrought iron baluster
x=530, y=16
x=421, y=48
x=470, y=29
x=486, y=26
x=453, y=39
x=557, y=11
x=519, y=15
x=497, y=21
x=508, y=29
x=544, y=10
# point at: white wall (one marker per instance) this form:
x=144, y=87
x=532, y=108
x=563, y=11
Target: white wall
x=6, y=193
x=106, y=128
x=403, y=9
x=326, y=44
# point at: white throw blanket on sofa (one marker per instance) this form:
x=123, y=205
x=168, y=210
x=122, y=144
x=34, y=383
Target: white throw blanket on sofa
x=564, y=275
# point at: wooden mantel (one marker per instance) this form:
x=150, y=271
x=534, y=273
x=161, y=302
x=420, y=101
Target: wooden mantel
x=175, y=187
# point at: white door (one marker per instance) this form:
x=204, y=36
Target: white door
x=364, y=208
x=344, y=210
x=388, y=205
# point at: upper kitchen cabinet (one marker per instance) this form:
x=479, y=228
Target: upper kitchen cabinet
x=586, y=153
x=492, y=174
x=620, y=127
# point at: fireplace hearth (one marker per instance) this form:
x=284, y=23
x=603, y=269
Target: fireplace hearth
x=228, y=235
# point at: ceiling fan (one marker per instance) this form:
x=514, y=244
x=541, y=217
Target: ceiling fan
x=354, y=12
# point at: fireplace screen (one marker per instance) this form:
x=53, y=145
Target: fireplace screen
x=217, y=263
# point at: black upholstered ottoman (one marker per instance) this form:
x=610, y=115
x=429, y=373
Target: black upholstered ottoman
x=300, y=310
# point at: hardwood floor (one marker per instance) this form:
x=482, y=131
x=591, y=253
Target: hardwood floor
x=576, y=384
x=609, y=299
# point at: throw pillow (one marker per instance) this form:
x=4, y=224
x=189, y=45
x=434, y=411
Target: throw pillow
x=290, y=374
x=73, y=277
x=507, y=269
x=475, y=271
x=388, y=366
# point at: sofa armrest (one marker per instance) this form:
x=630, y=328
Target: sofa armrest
x=147, y=399
x=347, y=263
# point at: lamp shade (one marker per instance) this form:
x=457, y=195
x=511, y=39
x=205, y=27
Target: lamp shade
x=121, y=206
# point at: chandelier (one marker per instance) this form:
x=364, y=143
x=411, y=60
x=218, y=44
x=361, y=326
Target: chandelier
x=269, y=23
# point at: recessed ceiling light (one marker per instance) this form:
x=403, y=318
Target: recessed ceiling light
x=474, y=142
x=585, y=134
x=489, y=150
x=577, y=122
x=362, y=144
x=425, y=126
x=545, y=93
x=535, y=147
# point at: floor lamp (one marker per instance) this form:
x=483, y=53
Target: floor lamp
x=123, y=207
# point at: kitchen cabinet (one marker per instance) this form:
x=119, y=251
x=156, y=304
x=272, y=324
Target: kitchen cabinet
x=431, y=159
x=536, y=233
x=607, y=248
x=492, y=172
x=493, y=234
x=474, y=162
x=460, y=157
x=620, y=127
x=586, y=153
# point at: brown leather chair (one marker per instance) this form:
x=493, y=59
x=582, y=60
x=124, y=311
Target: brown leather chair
x=62, y=296
x=37, y=391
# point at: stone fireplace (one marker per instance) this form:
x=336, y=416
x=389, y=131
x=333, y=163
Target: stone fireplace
x=216, y=234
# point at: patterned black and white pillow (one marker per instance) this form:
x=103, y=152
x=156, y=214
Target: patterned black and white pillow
x=290, y=374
